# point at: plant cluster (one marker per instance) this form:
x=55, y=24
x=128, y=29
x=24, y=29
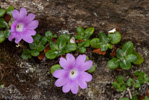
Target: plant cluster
x=104, y=42
x=82, y=38
x=71, y=73
x=124, y=57
x=136, y=81
x=134, y=97
x=5, y=23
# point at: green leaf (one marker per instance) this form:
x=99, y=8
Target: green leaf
x=80, y=31
x=116, y=85
x=113, y=63
x=9, y=10
x=137, y=73
x=61, y=41
x=61, y=52
x=40, y=48
x=49, y=35
x=7, y=33
x=124, y=99
x=89, y=32
x=95, y=43
x=64, y=37
x=103, y=38
x=78, y=37
x=92, y=69
x=43, y=40
x=82, y=50
x=2, y=36
x=103, y=46
x=110, y=46
x=36, y=37
x=124, y=64
x=55, y=36
x=120, y=79
x=146, y=79
x=128, y=48
x=2, y=23
x=38, y=43
x=26, y=54
x=141, y=80
x=51, y=54
x=134, y=97
x=2, y=12
x=87, y=43
x=137, y=84
x=55, y=67
x=139, y=59
x=129, y=82
x=141, y=74
x=146, y=98
x=87, y=58
x=121, y=89
x=119, y=53
x=114, y=37
x=70, y=47
x=53, y=46
x=34, y=53
x=131, y=57
x=81, y=44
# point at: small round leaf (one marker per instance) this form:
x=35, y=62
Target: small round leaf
x=131, y=57
x=70, y=47
x=114, y=37
x=82, y=50
x=34, y=53
x=51, y=54
x=124, y=64
x=139, y=59
x=128, y=48
x=2, y=36
x=95, y=43
x=80, y=31
x=2, y=12
x=113, y=63
x=92, y=69
x=55, y=67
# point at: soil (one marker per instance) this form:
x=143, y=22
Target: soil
x=31, y=79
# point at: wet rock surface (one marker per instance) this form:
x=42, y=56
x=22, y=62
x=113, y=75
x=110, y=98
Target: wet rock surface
x=32, y=79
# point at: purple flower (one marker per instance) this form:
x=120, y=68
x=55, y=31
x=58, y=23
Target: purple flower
x=73, y=73
x=23, y=26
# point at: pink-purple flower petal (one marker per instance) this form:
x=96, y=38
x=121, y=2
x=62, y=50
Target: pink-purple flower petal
x=30, y=17
x=28, y=39
x=80, y=59
x=63, y=62
x=86, y=76
x=82, y=84
x=66, y=88
x=87, y=65
x=70, y=58
x=15, y=14
x=74, y=88
x=30, y=33
x=59, y=73
x=17, y=39
x=23, y=12
x=11, y=37
x=61, y=81
x=33, y=24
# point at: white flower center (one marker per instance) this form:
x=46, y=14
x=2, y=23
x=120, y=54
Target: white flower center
x=19, y=27
x=73, y=73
